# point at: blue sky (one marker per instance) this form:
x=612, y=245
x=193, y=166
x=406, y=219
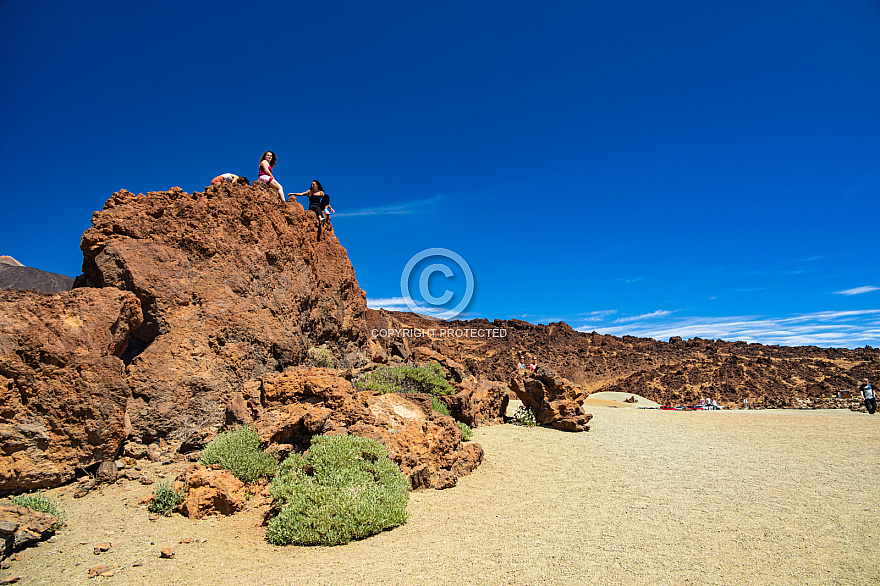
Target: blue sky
x=648, y=168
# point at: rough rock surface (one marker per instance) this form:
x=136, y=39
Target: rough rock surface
x=674, y=372
x=21, y=527
x=554, y=400
x=211, y=492
x=479, y=402
x=233, y=283
x=287, y=409
x=63, y=392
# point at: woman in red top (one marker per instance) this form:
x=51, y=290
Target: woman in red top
x=267, y=163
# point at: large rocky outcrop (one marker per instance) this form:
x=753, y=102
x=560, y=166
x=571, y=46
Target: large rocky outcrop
x=21, y=527
x=288, y=408
x=233, y=283
x=63, y=392
x=555, y=401
x=676, y=372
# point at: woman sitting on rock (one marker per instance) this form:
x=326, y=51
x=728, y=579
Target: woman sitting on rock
x=318, y=200
x=267, y=163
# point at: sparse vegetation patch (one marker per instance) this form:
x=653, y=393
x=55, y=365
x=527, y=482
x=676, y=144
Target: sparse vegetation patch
x=239, y=452
x=40, y=503
x=406, y=379
x=344, y=488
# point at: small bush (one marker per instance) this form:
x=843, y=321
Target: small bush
x=524, y=416
x=439, y=406
x=239, y=452
x=320, y=357
x=165, y=498
x=406, y=379
x=41, y=504
x=344, y=488
x=466, y=432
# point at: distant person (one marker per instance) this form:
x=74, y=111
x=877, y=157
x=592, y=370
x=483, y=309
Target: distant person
x=267, y=164
x=868, y=395
x=318, y=200
x=534, y=365
x=714, y=405
x=521, y=364
x=229, y=178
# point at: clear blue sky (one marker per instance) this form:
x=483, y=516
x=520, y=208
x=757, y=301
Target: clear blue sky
x=652, y=168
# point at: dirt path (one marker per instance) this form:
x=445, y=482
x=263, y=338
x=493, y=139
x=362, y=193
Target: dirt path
x=645, y=497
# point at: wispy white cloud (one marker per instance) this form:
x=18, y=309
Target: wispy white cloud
x=652, y=315
x=400, y=209
x=857, y=290
x=596, y=315
x=389, y=303
x=823, y=328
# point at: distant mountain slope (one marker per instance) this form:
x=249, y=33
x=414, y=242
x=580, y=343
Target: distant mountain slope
x=20, y=277
x=8, y=260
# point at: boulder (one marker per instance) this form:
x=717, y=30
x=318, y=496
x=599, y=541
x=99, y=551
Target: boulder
x=555, y=401
x=21, y=527
x=63, y=392
x=211, y=492
x=291, y=407
x=479, y=402
x=233, y=283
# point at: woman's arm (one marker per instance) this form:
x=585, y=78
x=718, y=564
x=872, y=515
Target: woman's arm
x=264, y=167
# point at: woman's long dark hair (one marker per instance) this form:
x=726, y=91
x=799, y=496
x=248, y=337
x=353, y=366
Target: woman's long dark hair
x=320, y=188
x=274, y=158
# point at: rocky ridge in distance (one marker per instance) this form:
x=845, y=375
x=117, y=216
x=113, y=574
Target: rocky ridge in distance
x=676, y=372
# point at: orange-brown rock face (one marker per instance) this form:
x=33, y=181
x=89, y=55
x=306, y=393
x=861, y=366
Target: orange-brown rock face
x=62, y=386
x=554, y=400
x=211, y=492
x=233, y=284
x=289, y=408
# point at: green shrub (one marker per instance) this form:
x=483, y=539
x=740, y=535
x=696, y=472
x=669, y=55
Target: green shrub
x=320, y=357
x=466, y=432
x=165, y=498
x=239, y=452
x=344, y=488
x=524, y=416
x=439, y=406
x=41, y=504
x=406, y=379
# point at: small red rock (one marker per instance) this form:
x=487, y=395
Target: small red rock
x=167, y=553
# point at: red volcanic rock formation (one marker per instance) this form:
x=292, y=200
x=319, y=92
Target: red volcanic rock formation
x=676, y=372
x=479, y=402
x=288, y=408
x=63, y=392
x=21, y=527
x=554, y=400
x=233, y=284
x=210, y=492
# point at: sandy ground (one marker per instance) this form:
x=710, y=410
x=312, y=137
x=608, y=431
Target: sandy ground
x=613, y=399
x=645, y=497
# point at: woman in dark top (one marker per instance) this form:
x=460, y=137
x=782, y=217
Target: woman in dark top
x=318, y=200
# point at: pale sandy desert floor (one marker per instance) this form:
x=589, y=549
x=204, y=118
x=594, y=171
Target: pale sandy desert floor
x=645, y=497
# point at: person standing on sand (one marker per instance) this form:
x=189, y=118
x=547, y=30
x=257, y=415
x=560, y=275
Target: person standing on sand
x=267, y=163
x=868, y=395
